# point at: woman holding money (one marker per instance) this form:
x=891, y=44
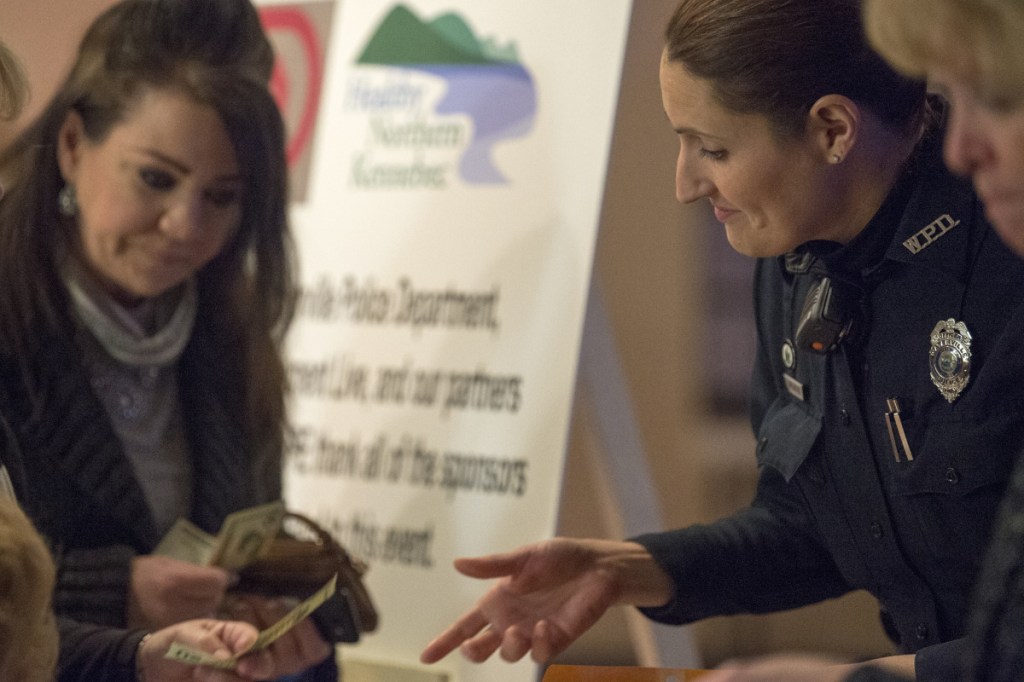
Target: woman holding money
x=147, y=277
x=28, y=631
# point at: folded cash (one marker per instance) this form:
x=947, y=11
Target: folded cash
x=244, y=537
x=186, y=541
x=186, y=654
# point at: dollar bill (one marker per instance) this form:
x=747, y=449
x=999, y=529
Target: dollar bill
x=187, y=542
x=186, y=654
x=189, y=656
x=246, y=535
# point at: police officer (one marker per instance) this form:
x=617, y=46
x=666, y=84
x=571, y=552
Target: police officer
x=887, y=379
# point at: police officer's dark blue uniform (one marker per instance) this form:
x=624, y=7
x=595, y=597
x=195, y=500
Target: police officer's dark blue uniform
x=841, y=504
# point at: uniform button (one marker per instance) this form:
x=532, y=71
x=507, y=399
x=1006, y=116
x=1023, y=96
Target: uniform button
x=844, y=416
x=762, y=444
x=788, y=354
x=952, y=476
x=876, y=530
x=922, y=631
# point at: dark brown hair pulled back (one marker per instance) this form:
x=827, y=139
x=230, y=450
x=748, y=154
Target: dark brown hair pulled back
x=778, y=57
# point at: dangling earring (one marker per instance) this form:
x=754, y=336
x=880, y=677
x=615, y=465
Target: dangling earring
x=67, y=202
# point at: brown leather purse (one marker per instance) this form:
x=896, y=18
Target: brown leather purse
x=300, y=560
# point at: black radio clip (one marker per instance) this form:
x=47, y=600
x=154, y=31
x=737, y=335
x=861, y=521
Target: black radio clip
x=827, y=317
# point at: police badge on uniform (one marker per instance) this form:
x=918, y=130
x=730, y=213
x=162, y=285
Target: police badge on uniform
x=950, y=358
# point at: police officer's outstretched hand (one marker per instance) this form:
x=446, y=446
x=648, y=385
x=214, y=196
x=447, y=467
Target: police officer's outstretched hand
x=548, y=594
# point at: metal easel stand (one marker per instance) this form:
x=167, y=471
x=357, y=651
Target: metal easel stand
x=625, y=496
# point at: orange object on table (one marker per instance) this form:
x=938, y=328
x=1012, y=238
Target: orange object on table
x=604, y=673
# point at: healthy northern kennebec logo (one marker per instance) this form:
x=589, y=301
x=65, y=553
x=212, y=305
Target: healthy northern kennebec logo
x=435, y=100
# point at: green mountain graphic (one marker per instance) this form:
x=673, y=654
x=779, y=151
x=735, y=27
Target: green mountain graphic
x=403, y=38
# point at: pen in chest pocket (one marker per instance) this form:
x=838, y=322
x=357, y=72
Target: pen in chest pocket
x=892, y=419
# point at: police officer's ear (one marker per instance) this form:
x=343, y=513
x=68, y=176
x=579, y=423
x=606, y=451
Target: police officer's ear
x=833, y=124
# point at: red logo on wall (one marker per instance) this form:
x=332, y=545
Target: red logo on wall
x=297, y=32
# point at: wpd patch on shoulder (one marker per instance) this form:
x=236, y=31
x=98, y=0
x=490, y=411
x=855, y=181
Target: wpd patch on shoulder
x=930, y=233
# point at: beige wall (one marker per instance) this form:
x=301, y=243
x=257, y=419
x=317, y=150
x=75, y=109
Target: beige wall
x=650, y=265
x=44, y=34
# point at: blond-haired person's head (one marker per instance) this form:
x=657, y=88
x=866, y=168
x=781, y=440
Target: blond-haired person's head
x=978, y=40
x=28, y=635
x=13, y=89
x=971, y=51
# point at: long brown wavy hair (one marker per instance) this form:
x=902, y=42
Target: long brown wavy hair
x=214, y=51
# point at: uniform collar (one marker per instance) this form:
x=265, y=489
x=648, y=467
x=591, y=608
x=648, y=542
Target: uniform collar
x=936, y=229
x=934, y=212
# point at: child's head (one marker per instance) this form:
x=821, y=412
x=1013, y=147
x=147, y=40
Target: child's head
x=28, y=634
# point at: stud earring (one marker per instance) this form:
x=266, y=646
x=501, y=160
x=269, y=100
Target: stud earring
x=836, y=158
x=67, y=202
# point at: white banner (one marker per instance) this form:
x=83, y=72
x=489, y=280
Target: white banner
x=447, y=182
